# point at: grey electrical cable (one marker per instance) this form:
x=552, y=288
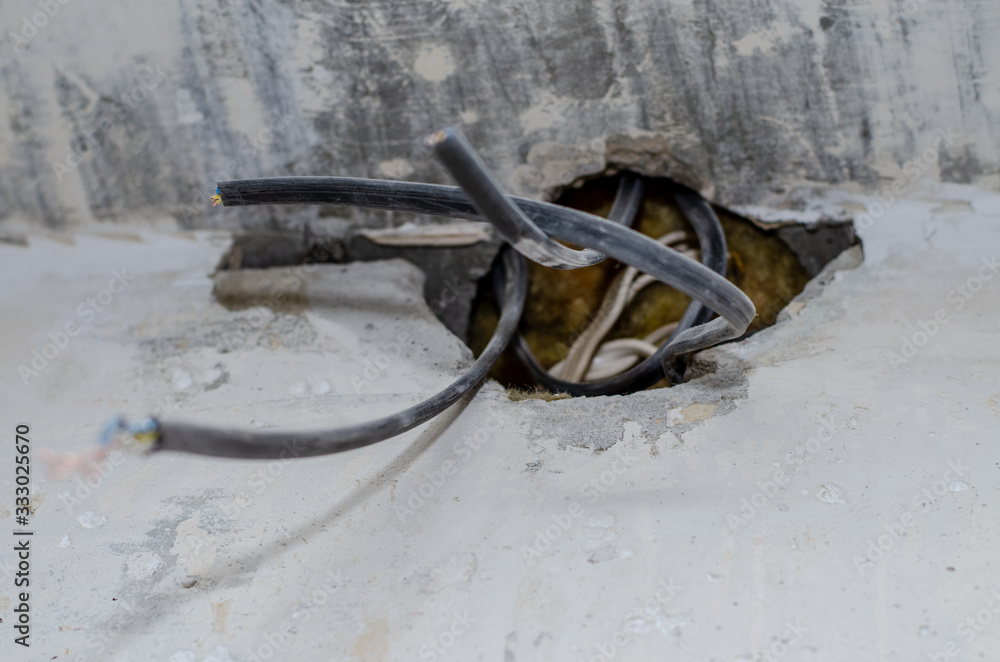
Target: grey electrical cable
x=564, y=224
x=667, y=361
x=572, y=226
x=614, y=240
x=263, y=444
x=457, y=156
x=628, y=199
x=626, y=204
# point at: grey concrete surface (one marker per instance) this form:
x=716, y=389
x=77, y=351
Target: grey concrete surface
x=827, y=491
x=131, y=110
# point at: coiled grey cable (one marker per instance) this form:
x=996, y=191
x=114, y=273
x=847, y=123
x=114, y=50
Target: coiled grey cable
x=606, y=238
x=666, y=361
x=628, y=199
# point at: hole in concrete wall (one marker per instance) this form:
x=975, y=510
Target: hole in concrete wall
x=771, y=264
x=452, y=262
x=262, y=250
x=240, y=284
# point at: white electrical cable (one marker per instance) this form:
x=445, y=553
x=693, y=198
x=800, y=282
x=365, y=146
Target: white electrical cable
x=623, y=289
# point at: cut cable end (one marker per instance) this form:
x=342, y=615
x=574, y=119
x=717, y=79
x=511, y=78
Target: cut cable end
x=217, y=198
x=438, y=137
x=139, y=435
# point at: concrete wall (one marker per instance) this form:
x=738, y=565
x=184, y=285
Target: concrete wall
x=129, y=111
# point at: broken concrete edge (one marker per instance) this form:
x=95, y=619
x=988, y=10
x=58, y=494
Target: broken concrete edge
x=718, y=379
x=552, y=168
x=452, y=272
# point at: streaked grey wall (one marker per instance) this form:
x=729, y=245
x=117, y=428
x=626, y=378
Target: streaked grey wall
x=129, y=110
